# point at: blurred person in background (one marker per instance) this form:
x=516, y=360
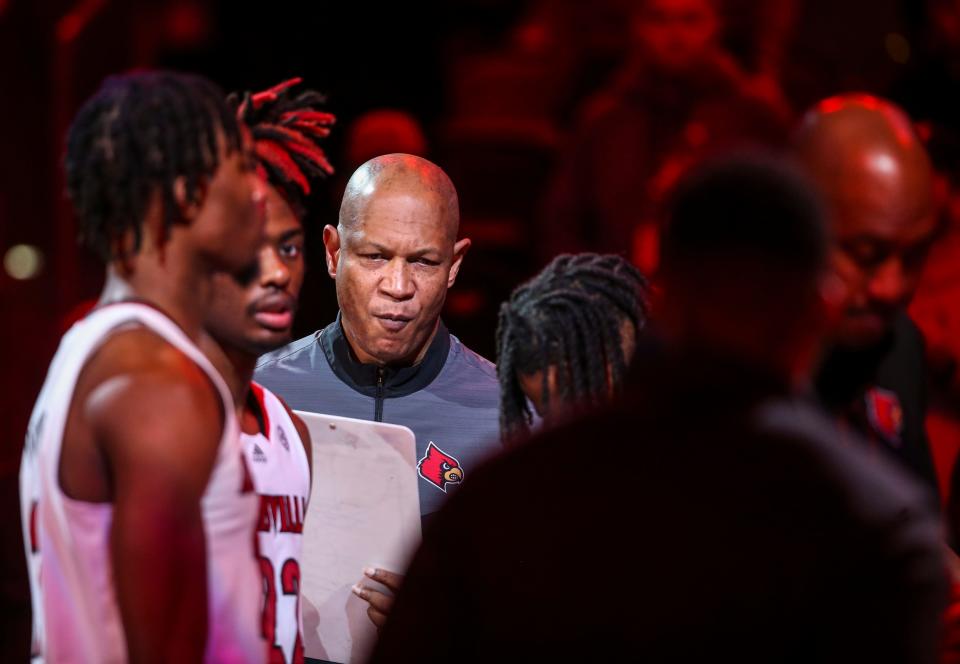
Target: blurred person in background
x=566, y=338
x=874, y=171
x=867, y=160
x=678, y=97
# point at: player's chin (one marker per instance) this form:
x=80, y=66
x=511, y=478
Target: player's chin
x=265, y=340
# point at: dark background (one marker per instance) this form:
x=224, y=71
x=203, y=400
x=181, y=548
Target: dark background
x=506, y=94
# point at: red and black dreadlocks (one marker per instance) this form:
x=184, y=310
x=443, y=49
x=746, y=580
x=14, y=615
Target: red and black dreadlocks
x=287, y=130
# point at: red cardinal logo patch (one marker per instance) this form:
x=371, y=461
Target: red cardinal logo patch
x=439, y=468
x=885, y=414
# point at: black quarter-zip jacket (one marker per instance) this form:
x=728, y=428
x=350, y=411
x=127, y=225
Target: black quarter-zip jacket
x=450, y=399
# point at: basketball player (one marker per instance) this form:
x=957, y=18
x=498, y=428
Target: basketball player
x=254, y=316
x=137, y=508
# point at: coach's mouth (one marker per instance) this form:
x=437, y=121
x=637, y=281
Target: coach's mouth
x=393, y=322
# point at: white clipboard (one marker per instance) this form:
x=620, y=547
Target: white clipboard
x=364, y=511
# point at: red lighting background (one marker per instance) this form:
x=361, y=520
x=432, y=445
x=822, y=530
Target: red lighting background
x=545, y=114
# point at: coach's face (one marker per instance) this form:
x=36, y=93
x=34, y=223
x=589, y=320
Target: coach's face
x=255, y=313
x=393, y=265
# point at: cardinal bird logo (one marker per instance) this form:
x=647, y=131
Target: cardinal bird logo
x=885, y=414
x=439, y=468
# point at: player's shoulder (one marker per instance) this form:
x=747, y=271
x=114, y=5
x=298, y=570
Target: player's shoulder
x=270, y=395
x=296, y=420
x=870, y=485
x=290, y=353
x=137, y=381
x=140, y=353
x=269, y=399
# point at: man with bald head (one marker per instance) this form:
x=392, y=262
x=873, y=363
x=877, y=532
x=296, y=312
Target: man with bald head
x=388, y=357
x=393, y=255
x=876, y=176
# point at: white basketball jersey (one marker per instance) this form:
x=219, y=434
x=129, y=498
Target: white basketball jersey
x=75, y=612
x=281, y=475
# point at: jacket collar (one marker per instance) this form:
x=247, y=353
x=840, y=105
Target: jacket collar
x=396, y=381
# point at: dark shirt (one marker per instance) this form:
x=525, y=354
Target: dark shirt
x=621, y=163
x=880, y=394
x=450, y=399
x=707, y=516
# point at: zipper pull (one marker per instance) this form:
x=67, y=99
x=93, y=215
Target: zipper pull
x=378, y=401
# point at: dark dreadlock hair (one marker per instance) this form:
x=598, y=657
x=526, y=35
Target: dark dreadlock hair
x=287, y=130
x=136, y=135
x=570, y=315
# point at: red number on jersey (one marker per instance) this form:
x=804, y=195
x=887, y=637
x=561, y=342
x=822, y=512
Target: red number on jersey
x=290, y=584
x=290, y=578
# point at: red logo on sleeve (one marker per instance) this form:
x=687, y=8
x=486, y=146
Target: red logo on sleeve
x=439, y=468
x=885, y=414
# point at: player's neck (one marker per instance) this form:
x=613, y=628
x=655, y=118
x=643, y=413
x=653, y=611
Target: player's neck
x=243, y=365
x=235, y=366
x=181, y=293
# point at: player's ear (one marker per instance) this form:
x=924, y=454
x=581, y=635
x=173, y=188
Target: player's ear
x=331, y=245
x=156, y=232
x=459, y=251
x=188, y=207
x=123, y=248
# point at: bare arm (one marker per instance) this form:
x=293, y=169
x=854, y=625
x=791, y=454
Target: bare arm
x=159, y=429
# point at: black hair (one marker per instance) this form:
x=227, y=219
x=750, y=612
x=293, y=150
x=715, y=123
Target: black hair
x=745, y=206
x=570, y=316
x=137, y=135
x=287, y=131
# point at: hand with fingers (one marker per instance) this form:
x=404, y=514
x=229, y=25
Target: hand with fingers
x=379, y=602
